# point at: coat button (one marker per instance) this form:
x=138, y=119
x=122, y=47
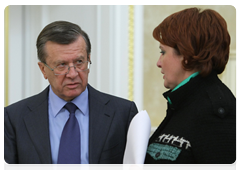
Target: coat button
x=157, y=154
x=221, y=111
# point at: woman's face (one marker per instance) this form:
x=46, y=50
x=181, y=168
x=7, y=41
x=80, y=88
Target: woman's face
x=171, y=67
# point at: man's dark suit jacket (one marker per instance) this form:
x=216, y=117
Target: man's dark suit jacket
x=26, y=129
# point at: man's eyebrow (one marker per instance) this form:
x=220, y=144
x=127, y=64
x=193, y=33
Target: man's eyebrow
x=80, y=57
x=58, y=61
x=64, y=61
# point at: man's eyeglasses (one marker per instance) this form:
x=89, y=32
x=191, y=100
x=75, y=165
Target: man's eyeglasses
x=63, y=69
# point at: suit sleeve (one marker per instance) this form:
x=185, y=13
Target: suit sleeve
x=133, y=112
x=10, y=149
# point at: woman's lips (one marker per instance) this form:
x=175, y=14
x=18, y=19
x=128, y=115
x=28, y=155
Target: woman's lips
x=163, y=75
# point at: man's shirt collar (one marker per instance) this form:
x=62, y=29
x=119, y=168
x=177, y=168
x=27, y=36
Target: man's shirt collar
x=56, y=103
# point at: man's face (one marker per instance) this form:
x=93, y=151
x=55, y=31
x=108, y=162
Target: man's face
x=74, y=83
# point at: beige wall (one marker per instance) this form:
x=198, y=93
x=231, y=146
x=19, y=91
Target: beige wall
x=154, y=102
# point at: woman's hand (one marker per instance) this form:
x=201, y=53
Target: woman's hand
x=134, y=167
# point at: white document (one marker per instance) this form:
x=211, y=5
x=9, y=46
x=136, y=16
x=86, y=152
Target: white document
x=137, y=139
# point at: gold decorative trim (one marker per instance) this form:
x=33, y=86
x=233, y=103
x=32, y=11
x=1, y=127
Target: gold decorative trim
x=237, y=82
x=6, y=40
x=130, y=52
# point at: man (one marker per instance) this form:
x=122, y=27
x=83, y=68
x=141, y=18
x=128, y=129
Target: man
x=34, y=128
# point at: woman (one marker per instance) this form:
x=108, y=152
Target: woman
x=200, y=125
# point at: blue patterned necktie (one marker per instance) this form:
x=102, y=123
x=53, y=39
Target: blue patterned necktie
x=69, y=148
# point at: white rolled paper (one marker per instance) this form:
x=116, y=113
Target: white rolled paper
x=137, y=139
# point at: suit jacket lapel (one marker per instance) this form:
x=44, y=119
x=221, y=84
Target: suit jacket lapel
x=38, y=127
x=100, y=118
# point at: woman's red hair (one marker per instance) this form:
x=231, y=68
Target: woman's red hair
x=201, y=37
